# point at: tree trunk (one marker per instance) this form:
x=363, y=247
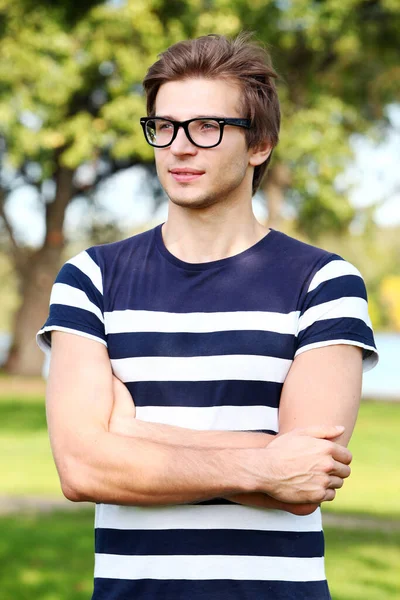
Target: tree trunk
x=273, y=186
x=36, y=279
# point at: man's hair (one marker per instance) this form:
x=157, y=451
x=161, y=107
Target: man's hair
x=240, y=60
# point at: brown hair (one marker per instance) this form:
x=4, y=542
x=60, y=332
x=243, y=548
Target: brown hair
x=241, y=60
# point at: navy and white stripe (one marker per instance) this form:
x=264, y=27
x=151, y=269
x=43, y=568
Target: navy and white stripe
x=335, y=311
x=209, y=346
x=76, y=301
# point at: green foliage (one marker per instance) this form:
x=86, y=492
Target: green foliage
x=76, y=91
x=338, y=63
x=70, y=83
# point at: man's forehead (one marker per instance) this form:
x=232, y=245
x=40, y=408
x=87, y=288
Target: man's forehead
x=191, y=98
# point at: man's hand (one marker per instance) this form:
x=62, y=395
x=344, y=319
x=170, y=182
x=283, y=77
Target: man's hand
x=305, y=465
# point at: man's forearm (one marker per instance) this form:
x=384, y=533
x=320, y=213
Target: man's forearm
x=180, y=436
x=176, y=465
x=117, y=469
x=299, y=467
x=191, y=438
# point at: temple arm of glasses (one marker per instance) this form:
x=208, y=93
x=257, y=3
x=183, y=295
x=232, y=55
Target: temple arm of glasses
x=238, y=122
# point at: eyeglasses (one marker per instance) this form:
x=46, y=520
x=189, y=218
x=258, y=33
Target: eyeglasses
x=204, y=132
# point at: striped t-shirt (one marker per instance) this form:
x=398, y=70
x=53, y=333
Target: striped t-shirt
x=208, y=346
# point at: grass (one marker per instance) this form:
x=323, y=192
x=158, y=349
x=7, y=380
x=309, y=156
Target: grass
x=363, y=565
x=374, y=485
x=26, y=462
x=50, y=557
x=47, y=557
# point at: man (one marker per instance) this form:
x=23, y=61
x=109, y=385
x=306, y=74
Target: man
x=210, y=323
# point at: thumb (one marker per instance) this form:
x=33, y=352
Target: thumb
x=322, y=431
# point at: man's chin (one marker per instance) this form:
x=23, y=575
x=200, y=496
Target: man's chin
x=193, y=201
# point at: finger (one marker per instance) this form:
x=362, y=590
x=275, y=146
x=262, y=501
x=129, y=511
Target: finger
x=340, y=469
x=335, y=483
x=321, y=431
x=341, y=454
x=329, y=496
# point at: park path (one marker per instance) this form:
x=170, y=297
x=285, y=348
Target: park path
x=22, y=386
x=10, y=505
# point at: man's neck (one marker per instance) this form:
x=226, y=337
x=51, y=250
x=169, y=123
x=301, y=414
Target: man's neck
x=197, y=236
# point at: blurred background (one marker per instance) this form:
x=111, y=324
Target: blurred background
x=75, y=171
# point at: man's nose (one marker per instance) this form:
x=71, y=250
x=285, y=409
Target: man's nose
x=181, y=144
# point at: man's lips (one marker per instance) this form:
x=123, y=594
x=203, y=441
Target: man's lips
x=182, y=174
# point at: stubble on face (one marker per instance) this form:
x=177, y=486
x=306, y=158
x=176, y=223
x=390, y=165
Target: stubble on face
x=225, y=166
x=218, y=191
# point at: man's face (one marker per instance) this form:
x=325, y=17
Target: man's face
x=213, y=174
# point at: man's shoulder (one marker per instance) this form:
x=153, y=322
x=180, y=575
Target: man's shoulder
x=109, y=253
x=299, y=249
x=298, y=258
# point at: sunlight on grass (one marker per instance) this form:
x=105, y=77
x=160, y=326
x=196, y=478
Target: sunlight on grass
x=47, y=557
x=363, y=565
x=27, y=466
x=50, y=557
x=26, y=462
x=374, y=485
x=22, y=414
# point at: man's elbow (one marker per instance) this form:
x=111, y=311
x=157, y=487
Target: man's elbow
x=74, y=484
x=71, y=492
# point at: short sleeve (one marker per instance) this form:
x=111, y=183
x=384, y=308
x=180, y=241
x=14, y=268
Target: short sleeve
x=76, y=301
x=335, y=311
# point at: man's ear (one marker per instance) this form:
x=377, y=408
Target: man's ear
x=259, y=153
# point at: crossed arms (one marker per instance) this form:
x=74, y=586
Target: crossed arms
x=104, y=454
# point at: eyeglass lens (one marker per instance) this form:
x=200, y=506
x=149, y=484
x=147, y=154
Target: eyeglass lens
x=204, y=132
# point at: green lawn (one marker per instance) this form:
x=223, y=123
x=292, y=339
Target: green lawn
x=26, y=463
x=50, y=557
x=374, y=485
x=47, y=557
x=363, y=565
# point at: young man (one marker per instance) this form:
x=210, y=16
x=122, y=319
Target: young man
x=210, y=323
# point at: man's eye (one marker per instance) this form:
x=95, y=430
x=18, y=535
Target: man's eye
x=164, y=126
x=209, y=125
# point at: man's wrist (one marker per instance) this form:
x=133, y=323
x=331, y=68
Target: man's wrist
x=241, y=466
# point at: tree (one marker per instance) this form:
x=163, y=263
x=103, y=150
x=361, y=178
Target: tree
x=340, y=69
x=71, y=97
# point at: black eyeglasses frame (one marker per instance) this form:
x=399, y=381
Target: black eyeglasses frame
x=245, y=123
